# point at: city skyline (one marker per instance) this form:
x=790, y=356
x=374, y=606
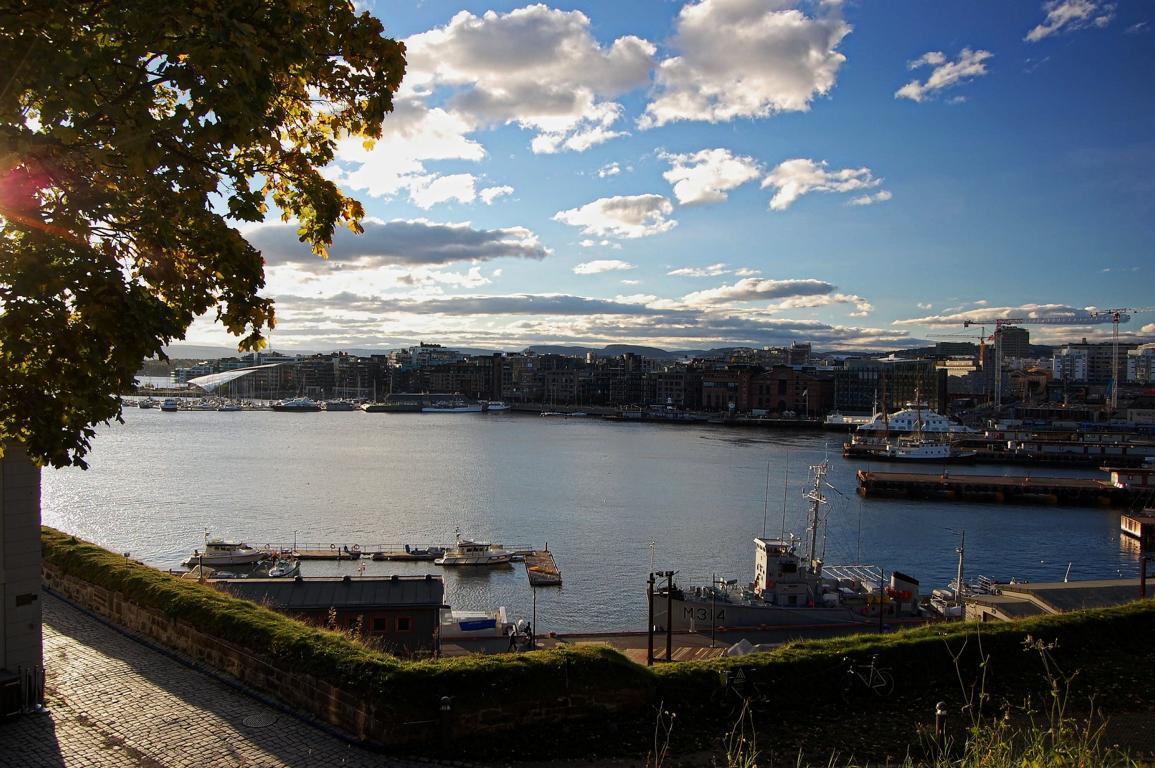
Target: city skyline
x=738, y=173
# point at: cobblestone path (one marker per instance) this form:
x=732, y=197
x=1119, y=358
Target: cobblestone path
x=112, y=701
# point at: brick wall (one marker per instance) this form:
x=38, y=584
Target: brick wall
x=369, y=716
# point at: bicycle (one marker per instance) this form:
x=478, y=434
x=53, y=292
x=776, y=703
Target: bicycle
x=878, y=680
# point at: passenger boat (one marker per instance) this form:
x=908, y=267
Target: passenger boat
x=170, y=405
x=218, y=552
x=496, y=406
x=789, y=591
x=297, y=405
x=468, y=552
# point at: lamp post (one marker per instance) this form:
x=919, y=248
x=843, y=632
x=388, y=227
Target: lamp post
x=713, y=607
x=533, y=626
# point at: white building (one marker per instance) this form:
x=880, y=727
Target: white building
x=1141, y=364
x=1071, y=364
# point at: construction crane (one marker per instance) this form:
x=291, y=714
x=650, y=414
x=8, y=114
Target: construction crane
x=1115, y=316
x=1090, y=318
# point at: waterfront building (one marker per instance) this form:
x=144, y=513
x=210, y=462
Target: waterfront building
x=1092, y=363
x=396, y=613
x=786, y=389
x=858, y=386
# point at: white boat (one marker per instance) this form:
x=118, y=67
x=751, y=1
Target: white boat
x=496, y=406
x=457, y=624
x=229, y=405
x=914, y=417
x=836, y=419
x=218, y=552
x=284, y=568
x=468, y=552
x=297, y=405
x=148, y=402
x=170, y=405
x=451, y=406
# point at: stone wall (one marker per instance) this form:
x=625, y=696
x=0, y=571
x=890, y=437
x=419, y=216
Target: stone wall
x=365, y=715
x=20, y=633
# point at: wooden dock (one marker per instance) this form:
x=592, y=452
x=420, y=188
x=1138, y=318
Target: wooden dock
x=1023, y=489
x=541, y=568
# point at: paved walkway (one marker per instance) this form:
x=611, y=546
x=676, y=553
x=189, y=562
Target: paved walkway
x=112, y=701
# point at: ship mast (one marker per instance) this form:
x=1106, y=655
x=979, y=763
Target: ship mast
x=817, y=500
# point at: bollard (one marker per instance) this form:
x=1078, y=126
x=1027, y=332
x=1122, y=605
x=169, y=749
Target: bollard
x=446, y=722
x=940, y=726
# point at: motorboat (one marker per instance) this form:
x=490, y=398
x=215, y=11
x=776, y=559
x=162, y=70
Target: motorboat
x=148, y=402
x=469, y=552
x=170, y=405
x=285, y=567
x=496, y=406
x=218, y=552
x=297, y=405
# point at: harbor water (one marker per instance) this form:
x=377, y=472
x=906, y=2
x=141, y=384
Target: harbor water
x=597, y=492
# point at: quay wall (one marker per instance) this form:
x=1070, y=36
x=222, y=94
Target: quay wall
x=575, y=702
x=371, y=697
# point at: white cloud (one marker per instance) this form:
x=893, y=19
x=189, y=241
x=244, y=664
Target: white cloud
x=795, y=178
x=706, y=176
x=1138, y=28
x=986, y=315
x=601, y=265
x=747, y=272
x=1069, y=15
x=745, y=58
x=609, y=169
x=712, y=270
x=753, y=289
x=1149, y=328
x=429, y=191
x=946, y=74
x=878, y=197
x=631, y=282
x=923, y=306
x=862, y=307
x=624, y=216
x=537, y=67
x=395, y=164
x=489, y=194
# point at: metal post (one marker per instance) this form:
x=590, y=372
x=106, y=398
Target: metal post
x=650, y=625
x=533, y=627
x=713, y=607
x=669, y=615
x=881, y=595
x=940, y=725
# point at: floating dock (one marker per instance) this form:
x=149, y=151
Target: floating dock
x=541, y=568
x=1023, y=489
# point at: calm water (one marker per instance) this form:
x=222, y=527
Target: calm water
x=597, y=492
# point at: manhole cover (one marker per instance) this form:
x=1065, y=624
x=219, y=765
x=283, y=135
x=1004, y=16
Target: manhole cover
x=261, y=720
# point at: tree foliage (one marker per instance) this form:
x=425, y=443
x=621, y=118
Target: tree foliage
x=132, y=135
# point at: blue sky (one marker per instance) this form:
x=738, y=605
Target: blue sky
x=741, y=172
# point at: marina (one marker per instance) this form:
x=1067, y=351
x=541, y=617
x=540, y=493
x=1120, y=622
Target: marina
x=994, y=488
x=599, y=492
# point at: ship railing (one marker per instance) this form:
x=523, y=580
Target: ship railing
x=869, y=576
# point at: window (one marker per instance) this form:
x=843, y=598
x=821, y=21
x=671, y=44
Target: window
x=404, y=624
x=379, y=625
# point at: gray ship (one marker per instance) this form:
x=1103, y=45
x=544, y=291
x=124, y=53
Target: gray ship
x=791, y=592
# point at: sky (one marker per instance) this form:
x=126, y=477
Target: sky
x=689, y=175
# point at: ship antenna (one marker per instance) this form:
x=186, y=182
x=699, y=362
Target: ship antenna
x=766, y=500
x=785, y=488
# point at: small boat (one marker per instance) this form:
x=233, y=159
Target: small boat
x=284, y=568
x=148, y=402
x=468, y=552
x=229, y=405
x=496, y=406
x=218, y=552
x=297, y=405
x=170, y=405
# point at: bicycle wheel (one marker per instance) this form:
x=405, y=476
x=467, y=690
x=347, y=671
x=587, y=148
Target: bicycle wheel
x=882, y=683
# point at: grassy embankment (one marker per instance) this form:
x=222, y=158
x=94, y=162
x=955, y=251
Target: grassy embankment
x=795, y=695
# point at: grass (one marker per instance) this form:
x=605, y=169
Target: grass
x=792, y=698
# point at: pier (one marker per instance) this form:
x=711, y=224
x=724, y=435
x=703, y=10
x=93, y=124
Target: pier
x=541, y=568
x=995, y=488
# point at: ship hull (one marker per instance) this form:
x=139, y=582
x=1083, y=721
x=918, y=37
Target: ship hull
x=700, y=615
